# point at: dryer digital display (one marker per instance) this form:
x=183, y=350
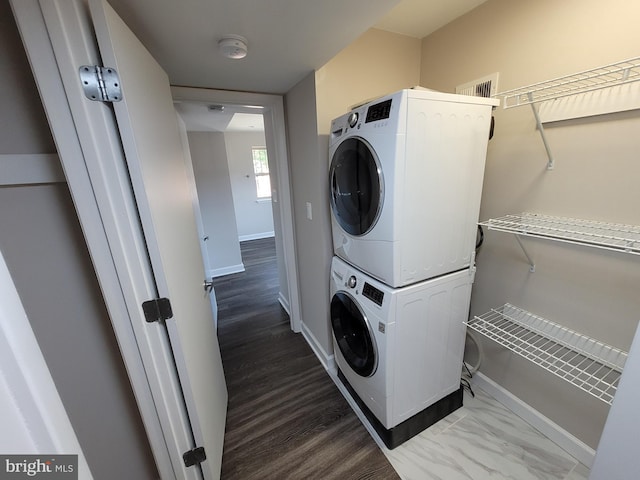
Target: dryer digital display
x=379, y=111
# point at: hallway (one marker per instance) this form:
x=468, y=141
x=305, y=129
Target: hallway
x=286, y=419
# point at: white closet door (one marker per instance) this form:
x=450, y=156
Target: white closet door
x=155, y=157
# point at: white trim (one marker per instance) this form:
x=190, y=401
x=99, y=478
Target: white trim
x=565, y=440
x=55, y=35
x=220, y=272
x=36, y=421
x=31, y=169
x=327, y=361
x=284, y=303
x=256, y=236
x=275, y=135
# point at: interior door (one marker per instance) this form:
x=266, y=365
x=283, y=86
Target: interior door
x=198, y=216
x=155, y=157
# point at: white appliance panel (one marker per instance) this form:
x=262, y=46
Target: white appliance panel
x=430, y=327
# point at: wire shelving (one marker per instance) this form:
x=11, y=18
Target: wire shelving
x=590, y=365
x=611, y=75
x=609, y=236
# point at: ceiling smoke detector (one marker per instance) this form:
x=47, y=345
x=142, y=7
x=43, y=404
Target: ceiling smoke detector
x=233, y=46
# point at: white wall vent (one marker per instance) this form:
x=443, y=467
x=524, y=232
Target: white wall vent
x=482, y=87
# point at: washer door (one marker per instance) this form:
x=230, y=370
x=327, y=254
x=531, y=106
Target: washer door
x=356, y=183
x=353, y=334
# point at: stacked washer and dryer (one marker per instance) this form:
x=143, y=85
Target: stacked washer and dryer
x=405, y=176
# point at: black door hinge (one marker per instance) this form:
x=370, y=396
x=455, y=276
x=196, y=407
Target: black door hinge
x=157, y=309
x=193, y=457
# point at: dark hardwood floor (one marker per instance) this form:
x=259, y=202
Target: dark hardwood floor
x=286, y=419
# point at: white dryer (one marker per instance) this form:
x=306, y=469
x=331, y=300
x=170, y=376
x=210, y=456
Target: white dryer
x=405, y=180
x=400, y=351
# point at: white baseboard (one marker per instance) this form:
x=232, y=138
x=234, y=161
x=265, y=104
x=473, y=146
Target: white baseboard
x=285, y=303
x=327, y=361
x=219, y=272
x=256, y=236
x=565, y=440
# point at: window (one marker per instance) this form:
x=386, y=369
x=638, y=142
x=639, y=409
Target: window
x=261, y=171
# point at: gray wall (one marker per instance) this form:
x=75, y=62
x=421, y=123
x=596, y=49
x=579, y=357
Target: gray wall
x=46, y=254
x=23, y=126
x=211, y=169
x=309, y=184
x=254, y=218
x=595, y=177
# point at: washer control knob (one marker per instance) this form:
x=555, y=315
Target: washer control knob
x=353, y=119
x=352, y=282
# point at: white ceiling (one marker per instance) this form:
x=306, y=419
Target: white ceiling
x=200, y=117
x=419, y=18
x=287, y=39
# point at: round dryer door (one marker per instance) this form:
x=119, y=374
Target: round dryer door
x=355, y=177
x=353, y=334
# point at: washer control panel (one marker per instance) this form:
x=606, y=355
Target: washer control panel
x=372, y=293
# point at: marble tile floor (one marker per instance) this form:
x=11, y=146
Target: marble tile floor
x=483, y=440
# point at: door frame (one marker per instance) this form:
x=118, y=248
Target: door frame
x=272, y=109
x=38, y=421
x=53, y=34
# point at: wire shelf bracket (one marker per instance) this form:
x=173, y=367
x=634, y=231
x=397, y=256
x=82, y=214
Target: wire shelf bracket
x=586, y=363
x=550, y=161
x=619, y=73
x=532, y=265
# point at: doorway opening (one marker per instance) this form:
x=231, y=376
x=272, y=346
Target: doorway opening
x=225, y=122
x=230, y=161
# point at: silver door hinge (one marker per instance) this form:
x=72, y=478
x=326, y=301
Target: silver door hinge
x=100, y=84
x=194, y=457
x=157, y=309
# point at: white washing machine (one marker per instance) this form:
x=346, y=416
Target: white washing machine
x=406, y=176
x=400, y=351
